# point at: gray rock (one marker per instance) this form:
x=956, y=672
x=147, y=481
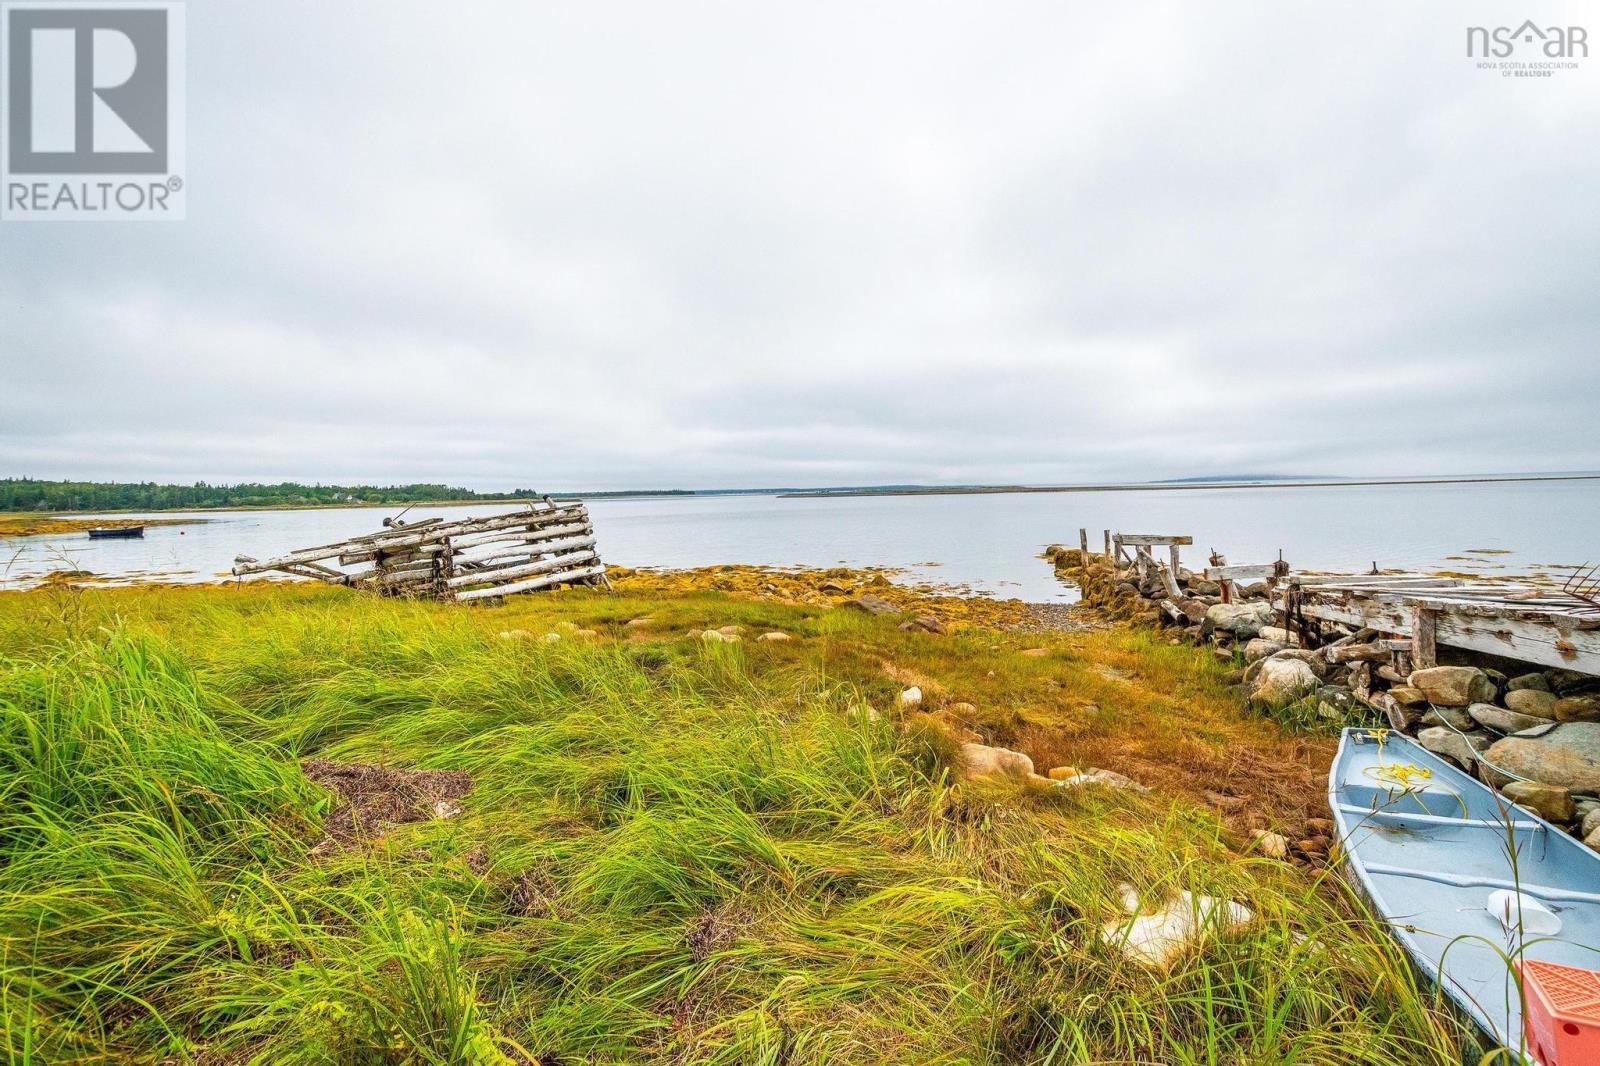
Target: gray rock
x=1243, y=620
x=1313, y=659
x=1255, y=590
x=1464, y=749
x=1281, y=680
x=1572, y=683
x=1533, y=681
x=872, y=604
x=1454, y=686
x=1336, y=703
x=1566, y=755
x=1276, y=634
x=1259, y=648
x=1591, y=822
x=1532, y=701
x=1453, y=716
x=1201, y=587
x=1501, y=720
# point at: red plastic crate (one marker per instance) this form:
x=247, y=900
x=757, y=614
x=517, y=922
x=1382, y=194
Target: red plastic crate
x=1562, y=1016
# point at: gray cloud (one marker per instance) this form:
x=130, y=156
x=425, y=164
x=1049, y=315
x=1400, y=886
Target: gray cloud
x=714, y=244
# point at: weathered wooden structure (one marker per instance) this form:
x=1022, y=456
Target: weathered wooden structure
x=1401, y=619
x=1530, y=623
x=539, y=546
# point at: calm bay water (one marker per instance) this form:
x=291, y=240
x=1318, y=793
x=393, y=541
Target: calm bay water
x=989, y=543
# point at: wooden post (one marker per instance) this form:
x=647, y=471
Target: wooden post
x=1174, y=550
x=1424, y=637
x=1116, y=544
x=1083, y=546
x=1108, y=546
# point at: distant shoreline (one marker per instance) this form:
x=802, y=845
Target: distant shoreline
x=1154, y=486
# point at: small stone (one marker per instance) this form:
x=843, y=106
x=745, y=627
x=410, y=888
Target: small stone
x=774, y=637
x=1442, y=740
x=1592, y=840
x=837, y=588
x=1501, y=720
x=1276, y=634
x=1532, y=701
x=1533, y=681
x=447, y=808
x=923, y=623
x=1577, y=709
x=551, y=638
x=1553, y=802
x=587, y=634
x=1319, y=826
x=1454, y=686
x=1272, y=845
x=1035, y=653
x=635, y=623
x=863, y=711
x=730, y=631
x=1591, y=823
x=911, y=697
x=714, y=636
x=515, y=634
x=1317, y=845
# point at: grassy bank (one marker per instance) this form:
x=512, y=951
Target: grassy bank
x=16, y=524
x=639, y=845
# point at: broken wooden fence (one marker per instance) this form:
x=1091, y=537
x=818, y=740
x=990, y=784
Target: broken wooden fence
x=535, y=547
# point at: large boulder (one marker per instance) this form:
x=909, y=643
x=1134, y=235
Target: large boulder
x=1454, y=686
x=1566, y=755
x=1313, y=659
x=1243, y=620
x=1281, y=680
x=1462, y=747
x=1533, y=702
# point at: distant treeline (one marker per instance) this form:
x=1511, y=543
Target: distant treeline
x=27, y=494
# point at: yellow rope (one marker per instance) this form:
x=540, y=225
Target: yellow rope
x=1406, y=775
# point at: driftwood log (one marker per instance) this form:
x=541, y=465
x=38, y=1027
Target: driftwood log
x=539, y=546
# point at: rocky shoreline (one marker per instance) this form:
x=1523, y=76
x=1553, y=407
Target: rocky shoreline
x=1533, y=734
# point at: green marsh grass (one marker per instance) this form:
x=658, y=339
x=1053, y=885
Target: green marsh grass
x=673, y=851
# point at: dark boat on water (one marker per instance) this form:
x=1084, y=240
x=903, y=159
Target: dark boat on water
x=124, y=531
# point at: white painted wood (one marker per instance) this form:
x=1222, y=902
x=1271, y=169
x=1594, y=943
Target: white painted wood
x=565, y=577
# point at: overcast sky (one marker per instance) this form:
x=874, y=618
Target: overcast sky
x=608, y=245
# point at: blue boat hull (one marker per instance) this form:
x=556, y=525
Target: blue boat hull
x=1428, y=850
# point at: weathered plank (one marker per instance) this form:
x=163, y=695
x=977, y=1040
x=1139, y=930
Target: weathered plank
x=1151, y=540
